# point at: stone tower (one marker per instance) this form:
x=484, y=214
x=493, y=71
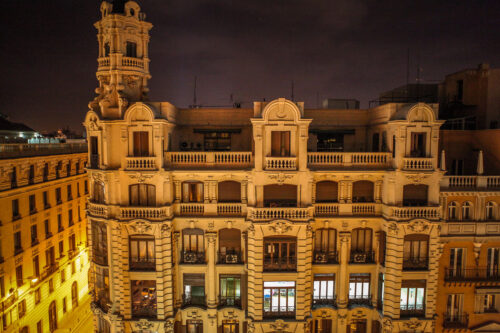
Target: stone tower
x=123, y=62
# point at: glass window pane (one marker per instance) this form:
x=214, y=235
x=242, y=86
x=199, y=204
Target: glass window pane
x=291, y=299
x=283, y=297
x=404, y=298
x=411, y=298
x=316, y=289
x=331, y=289
x=420, y=298
x=267, y=300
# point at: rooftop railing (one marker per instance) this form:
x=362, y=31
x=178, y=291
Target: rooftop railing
x=40, y=149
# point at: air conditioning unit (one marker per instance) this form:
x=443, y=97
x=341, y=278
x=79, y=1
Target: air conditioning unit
x=359, y=257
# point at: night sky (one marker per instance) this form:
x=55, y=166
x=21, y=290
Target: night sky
x=251, y=49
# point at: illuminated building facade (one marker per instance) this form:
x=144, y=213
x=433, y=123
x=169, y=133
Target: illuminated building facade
x=43, y=255
x=275, y=218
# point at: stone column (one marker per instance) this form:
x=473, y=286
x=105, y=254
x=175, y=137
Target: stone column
x=211, y=278
x=244, y=185
x=378, y=191
x=180, y=285
x=178, y=190
x=343, y=278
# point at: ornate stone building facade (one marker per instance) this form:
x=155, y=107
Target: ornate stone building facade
x=43, y=254
x=275, y=218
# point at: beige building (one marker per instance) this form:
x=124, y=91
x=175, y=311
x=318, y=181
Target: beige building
x=275, y=218
x=43, y=257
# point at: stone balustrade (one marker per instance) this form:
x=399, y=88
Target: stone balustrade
x=286, y=213
x=204, y=159
x=326, y=209
x=97, y=210
x=191, y=209
x=149, y=213
x=132, y=62
x=367, y=208
x=470, y=182
x=418, y=163
x=103, y=62
x=141, y=163
x=344, y=159
x=229, y=209
x=407, y=213
x=281, y=163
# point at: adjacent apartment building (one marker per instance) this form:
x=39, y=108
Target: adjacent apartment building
x=276, y=218
x=43, y=257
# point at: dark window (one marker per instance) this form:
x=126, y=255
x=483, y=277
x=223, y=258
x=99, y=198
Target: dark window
x=229, y=191
x=280, y=195
x=142, y=195
x=13, y=178
x=31, y=176
x=280, y=254
x=34, y=235
x=86, y=187
x=416, y=252
x=142, y=253
x=52, y=317
x=230, y=326
x=64, y=305
x=141, y=144
x=322, y=326
x=58, y=195
x=382, y=247
x=280, y=143
x=106, y=49
x=61, y=249
x=361, y=246
x=46, y=172
x=70, y=217
x=94, y=152
x=457, y=167
x=50, y=257
x=19, y=276
x=415, y=195
x=32, y=203
x=327, y=191
x=362, y=191
x=58, y=169
x=279, y=299
x=100, y=243
x=59, y=223
x=46, y=203
x=21, y=308
x=325, y=246
x=39, y=327
x=143, y=293
x=194, y=326
x=38, y=297
x=70, y=192
x=217, y=141
x=68, y=170
x=98, y=196
x=46, y=225
x=15, y=209
x=2, y=286
x=418, y=143
x=18, y=248
x=375, y=142
x=330, y=142
x=36, y=266
x=131, y=50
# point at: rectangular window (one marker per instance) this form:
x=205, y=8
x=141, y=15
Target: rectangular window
x=50, y=258
x=141, y=143
x=78, y=190
x=375, y=142
x=142, y=195
x=322, y=326
x=21, y=308
x=102, y=287
x=100, y=243
x=131, y=50
x=34, y=235
x=70, y=217
x=194, y=326
x=457, y=167
x=460, y=90
x=279, y=299
x=18, y=248
x=64, y=304
x=15, y=209
x=324, y=289
x=192, y=192
x=59, y=223
x=72, y=242
x=193, y=243
x=19, y=276
x=230, y=291
x=325, y=246
x=142, y=253
x=70, y=192
x=63, y=275
x=38, y=296
x=86, y=187
x=454, y=307
x=280, y=143
x=51, y=285
x=46, y=225
x=46, y=203
x=194, y=289
x=73, y=267
x=493, y=262
x=230, y=326
x=39, y=327
x=381, y=290
x=61, y=249
x=412, y=300
x=280, y=254
x=36, y=266
x=143, y=293
x=416, y=252
x=457, y=262
x=32, y=203
x=2, y=286
x=359, y=288
x=418, y=143
x=217, y=141
x=58, y=195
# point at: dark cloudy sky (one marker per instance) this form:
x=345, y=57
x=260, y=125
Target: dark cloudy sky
x=252, y=49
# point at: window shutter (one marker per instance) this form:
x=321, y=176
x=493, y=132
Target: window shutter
x=199, y=192
x=185, y=192
x=134, y=195
x=151, y=195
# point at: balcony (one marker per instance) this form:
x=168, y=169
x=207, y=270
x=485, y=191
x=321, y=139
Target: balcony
x=193, y=258
x=196, y=301
x=367, y=208
x=132, y=62
x=329, y=160
x=455, y=321
x=418, y=163
x=103, y=62
x=286, y=213
x=230, y=301
x=326, y=257
x=202, y=160
x=149, y=213
x=362, y=257
x=97, y=210
x=142, y=264
x=100, y=257
x=407, y=213
x=324, y=302
x=192, y=209
x=141, y=163
x=360, y=300
x=480, y=274
x=144, y=311
x=8, y=302
x=470, y=182
x=280, y=312
x=281, y=264
x=102, y=303
x=229, y=209
x=409, y=311
x=326, y=209
x=281, y=163
x=416, y=264
x=229, y=258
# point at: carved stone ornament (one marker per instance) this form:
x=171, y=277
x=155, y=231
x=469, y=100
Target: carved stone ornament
x=307, y=328
x=280, y=227
x=230, y=315
x=144, y=324
x=387, y=324
x=417, y=178
x=392, y=228
x=280, y=177
x=344, y=237
x=412, y=324
x=165, y=229
x=250, y=327
x=92, y=124
x=342, y=317
x=358, y=315
x=140, y=227
x=251, y=230
x=418, y=226
x=309, y=231
x=169, y=325
x=279, y=326
x=141, y=178
x=211, y=237
x=194, y=315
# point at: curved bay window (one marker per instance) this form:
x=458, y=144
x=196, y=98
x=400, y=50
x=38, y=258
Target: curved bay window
x=415, y=195
x=327, y=191
x=325, y=246
x=192, y=192
x=142, y=195
x=230, y=246
x=143, y=294
x=99, y=243
x=98, y=196
x=361, y=246
x=280, y=254
x=193, y=245
x=101, y=285
x=229, y=191
x=416, y=252
x=362, y=191
x=142, y=253
x=279, y=299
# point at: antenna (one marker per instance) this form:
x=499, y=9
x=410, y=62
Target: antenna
x=293, y=97
x=194, y=92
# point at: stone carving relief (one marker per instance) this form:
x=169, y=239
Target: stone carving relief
x=140, y=177
x=279, y=326
x=418, y=226
x=280, y=227
x=143, y=324
x=280, y=178
x=417, y=178
x=165, y=229
x=392, y=228
x=412, y=324
x=169, y=325
x=140, y=227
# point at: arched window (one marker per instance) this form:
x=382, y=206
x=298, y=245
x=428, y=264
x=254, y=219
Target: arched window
x=452, y=211
x=52, y=316
x=142, y=195
x=467, y=211
x=362, y=191
x=327, y=191
x=490, y=211
x=229, y=191
x=325, y=246
x=415, y=195
x=25, y=329
x=192, y=192
x=74, y=295
x=98, y=196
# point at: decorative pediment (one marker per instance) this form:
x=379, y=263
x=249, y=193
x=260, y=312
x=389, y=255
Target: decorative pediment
x=281, y=109
x=280, y=178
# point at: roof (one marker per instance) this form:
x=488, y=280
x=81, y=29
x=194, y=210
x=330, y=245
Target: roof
x=6, y=125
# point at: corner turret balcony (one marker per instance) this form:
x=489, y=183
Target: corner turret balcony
x=209, y=159
x=97, y=210
x=408, y=213
x=103, y=63
x=340, y=160
x=132, y=62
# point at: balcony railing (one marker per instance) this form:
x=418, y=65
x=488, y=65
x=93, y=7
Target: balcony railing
x=418, y=163
x=280, y=312
x=192, y=209
x=407, y=310
x=233, y=301
x=405, y=213
x=472, y=181
x=9, y=301
x=40, y=149
x=326, y=209
x=142, y=264
x=456, y=321
x=132, y=62
x=100, y=257
x=326, y=257
x=281, y=163
x=287, y=213
x=416, y=264
x=141, y=163
x=144, y=311
x=97, y=210
x=480, y=274
x=362, y=257
x=318, y=302
x=229, y=258
x=229, y=209
x=223, y=159
x=360, y=300
x=150, y=213
x=191, y=300
x=337, y=160
x=364, y=208
x=103, y=62
x=282, y=264
x=194, y=258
